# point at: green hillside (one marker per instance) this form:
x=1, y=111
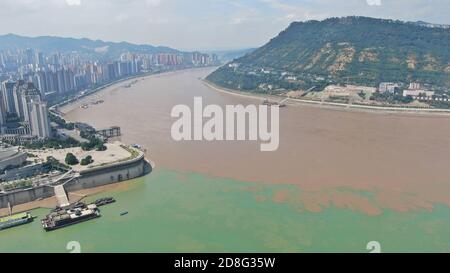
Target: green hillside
x=357, y=50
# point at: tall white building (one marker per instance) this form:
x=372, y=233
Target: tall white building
x=31, y=109
x=35, y=112
x=17, y=97
x=38, y=119
x=8, y=96
x=2, y=115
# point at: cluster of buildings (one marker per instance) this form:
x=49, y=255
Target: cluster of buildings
x=415, y=90
x=29, y=78
x=23, y=112
x=389, y=87
x=60, y=73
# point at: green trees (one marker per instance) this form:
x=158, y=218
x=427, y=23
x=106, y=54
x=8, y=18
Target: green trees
x=87, y=160
x=61, y=122
x=360, y=50
x=71, y=159
x=94, y=143
x=101, y=147
x=391, y=98
x=49, y=143
x=53, y=163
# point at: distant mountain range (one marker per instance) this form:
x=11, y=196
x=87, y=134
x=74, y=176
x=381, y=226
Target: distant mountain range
x=49, y=44
x=229, y=55
x=430, y=25
x=358, y=50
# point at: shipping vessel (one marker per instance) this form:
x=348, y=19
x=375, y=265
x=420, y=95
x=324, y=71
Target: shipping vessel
x=104, y=201
x=15, y=220
x=70, y=216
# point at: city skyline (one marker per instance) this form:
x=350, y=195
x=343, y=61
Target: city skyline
x=207, y=25
x=31, y=78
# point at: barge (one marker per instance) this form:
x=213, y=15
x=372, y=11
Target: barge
x=15, y=220
x=104, y=201
x=70, y=216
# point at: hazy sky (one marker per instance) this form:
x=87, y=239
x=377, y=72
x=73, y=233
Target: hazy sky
x=196, y=24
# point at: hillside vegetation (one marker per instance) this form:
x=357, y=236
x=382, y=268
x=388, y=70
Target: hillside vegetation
x=357, y=50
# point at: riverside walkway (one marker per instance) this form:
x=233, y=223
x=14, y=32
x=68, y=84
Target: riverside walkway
x=60, y=192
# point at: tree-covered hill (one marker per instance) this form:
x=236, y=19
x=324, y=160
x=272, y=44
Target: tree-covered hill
x=357, y=50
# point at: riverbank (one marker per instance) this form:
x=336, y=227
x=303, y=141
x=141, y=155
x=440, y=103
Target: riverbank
x=332, y=105
x=68, y=105
x=118, y=164
x=126, y=82
x=76, y=196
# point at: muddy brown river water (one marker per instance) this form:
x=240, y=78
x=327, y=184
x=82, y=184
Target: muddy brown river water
x=357, y=160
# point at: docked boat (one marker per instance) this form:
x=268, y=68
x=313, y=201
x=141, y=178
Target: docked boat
x=274, y=103
x=70, y=216
x=15, y=220
x=104, y=201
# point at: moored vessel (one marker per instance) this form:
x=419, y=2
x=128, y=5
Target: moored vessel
x=15, y=220
x=104, y=201
x=70, y=216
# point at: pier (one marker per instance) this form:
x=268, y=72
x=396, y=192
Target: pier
x=128, y=163
x=110, y=132
x=60, y=192
x=61, y=196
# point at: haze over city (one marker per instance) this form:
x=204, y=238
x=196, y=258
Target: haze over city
x=200, y=24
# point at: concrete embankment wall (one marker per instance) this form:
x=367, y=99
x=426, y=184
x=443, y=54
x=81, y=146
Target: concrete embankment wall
x=25, y=196
x=100, y=176
x=109, y=175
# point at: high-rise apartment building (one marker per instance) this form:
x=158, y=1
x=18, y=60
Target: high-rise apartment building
x=2, y=115
x=8, y=96
x=38, y=118
x=31, y=109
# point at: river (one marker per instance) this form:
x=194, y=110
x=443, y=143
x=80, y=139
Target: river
x=338, y=180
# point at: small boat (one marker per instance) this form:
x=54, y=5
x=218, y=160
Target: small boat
x=15, y=220
x=136, y=146
x=105, y=201
x=124, y=213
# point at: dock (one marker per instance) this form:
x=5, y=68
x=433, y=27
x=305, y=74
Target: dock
x=61, y=196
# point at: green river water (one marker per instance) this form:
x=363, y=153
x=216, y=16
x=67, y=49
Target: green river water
x=170, y=211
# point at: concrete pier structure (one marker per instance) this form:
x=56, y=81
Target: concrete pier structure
x=115, y=172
